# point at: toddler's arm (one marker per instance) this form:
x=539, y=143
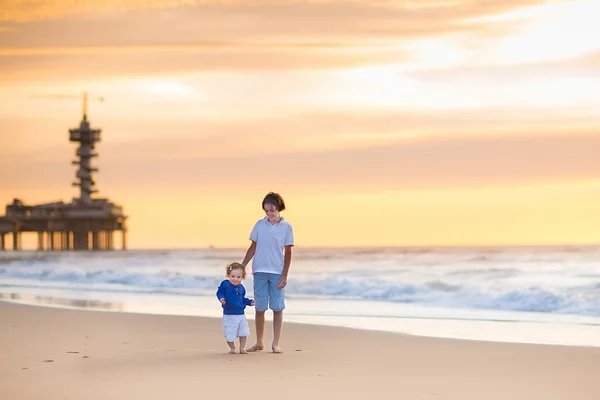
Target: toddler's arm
x=221, y=293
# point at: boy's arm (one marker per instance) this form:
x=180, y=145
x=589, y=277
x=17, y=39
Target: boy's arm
x=287, y=261
x=249, y=253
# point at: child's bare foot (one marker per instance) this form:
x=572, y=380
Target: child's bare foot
x=243, y=351
x=232, y=351
x=256, y=347
x=277, y=349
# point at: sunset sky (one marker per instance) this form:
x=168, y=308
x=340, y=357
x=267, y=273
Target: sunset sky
x=381, y=122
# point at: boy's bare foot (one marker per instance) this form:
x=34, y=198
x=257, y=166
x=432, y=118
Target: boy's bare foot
x=277, y=349
x=256, y=347
x=232, y=351
x=243, y=351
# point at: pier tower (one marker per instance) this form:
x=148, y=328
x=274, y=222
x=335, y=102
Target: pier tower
x=86, y=223
x=86, y=137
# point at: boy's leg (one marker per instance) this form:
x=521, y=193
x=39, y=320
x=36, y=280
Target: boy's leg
x=259, y=321
x=277, y=304
x=277, y=328
x=261, y=297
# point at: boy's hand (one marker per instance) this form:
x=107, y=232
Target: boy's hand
x=253, y=303
x=222, y=301
x=282, y=282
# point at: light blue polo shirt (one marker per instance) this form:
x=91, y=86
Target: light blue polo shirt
x=270, y=241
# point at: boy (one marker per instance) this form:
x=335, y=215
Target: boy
x=272, y=241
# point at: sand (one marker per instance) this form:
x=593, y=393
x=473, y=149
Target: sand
x=52, y=353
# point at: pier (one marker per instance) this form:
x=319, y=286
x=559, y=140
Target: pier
x=85, y=223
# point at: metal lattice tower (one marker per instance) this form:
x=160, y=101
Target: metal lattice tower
x=87, y=138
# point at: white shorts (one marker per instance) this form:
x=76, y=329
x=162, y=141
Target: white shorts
x=235, y=326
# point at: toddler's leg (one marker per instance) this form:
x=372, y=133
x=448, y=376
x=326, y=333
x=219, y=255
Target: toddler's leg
x=231, y=347
x=230, y=330
x=243, y=345
x=243, y=333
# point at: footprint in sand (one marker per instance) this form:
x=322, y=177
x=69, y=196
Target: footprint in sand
x=48, y=361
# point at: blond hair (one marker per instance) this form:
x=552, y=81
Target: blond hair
x=234, y=266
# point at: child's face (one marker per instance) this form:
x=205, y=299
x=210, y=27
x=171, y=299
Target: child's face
x=271, y=211
x=235, y=277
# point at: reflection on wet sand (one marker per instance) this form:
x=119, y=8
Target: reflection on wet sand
x=56, y=301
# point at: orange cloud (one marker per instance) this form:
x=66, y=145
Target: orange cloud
x=222, y=157
x=24, y=11
x=95, y=62
x=247, y=21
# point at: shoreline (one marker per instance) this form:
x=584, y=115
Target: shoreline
x=404, y=325
x=53, y=353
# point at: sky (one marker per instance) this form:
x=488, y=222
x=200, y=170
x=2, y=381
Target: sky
x=380, y=122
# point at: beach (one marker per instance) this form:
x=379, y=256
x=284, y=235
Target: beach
x=54, y=353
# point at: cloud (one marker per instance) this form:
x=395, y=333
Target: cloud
x=95, y=62
x=251, y=21
x=258, y=135
x=25, y=11
x=321, y=153
x=104, y=39
x=433, y=163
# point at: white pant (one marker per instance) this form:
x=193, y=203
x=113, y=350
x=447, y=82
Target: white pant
x=235, y=326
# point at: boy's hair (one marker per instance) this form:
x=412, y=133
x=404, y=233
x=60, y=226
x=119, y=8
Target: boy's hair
x=233, y=266
x=275, y=199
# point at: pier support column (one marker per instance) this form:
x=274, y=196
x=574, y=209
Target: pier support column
x=95, y=240
x=51, y=234
x=16, y=240
x=40, y=245
x=68, y=241
x=109, y=240
x=124, y=239
x=80, y=240
x=2, y=242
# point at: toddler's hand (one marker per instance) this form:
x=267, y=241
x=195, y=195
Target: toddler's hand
x=253, y=303
x=222, y=301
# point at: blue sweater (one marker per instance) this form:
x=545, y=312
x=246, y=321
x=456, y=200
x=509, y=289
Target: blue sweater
x=235, y=302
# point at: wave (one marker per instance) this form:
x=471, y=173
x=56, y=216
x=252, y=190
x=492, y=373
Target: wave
x=578, y=300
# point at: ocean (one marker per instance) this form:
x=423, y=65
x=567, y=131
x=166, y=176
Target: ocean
x=544, y=295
